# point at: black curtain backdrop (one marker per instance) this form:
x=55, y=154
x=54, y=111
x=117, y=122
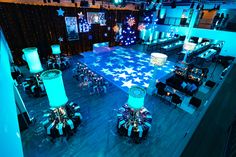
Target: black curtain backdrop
x=40, y=26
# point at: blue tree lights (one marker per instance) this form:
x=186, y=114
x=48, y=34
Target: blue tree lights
x=128, y=36
x=84, y=26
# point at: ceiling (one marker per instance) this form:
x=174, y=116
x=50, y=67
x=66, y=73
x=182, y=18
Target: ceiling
x=68, y=3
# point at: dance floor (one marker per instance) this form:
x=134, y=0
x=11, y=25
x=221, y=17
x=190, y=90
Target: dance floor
x=125, y=67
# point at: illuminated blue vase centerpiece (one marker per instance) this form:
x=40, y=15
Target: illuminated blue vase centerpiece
x=57, y=60
x=63, y=116
x=134, y=120
x=56, y=49
x=53, y=83
x=136, y=97
x=158, y=60
x=33, y=85
x=32, y=58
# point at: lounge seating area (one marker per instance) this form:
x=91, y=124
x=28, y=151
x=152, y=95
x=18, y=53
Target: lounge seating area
x=178, y=83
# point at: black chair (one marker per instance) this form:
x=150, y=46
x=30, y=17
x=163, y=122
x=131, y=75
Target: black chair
x=63, y=66
x=160, y=85
x=176, y=99
x=50, y=66
x=56, y=66
x=196, y=102
x=161, y=92
x=210, y=84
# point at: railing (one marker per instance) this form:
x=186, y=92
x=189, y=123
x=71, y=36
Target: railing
x=175, y=21
x=204, y=23
x=216, y=24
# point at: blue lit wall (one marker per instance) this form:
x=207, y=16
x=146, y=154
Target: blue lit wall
x=9, y=129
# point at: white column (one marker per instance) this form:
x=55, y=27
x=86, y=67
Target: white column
x=189, y=33
x=191, y=24
x=9, y=128
x=152, y=84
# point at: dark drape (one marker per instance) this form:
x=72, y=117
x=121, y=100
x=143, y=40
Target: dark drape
x=40, y=26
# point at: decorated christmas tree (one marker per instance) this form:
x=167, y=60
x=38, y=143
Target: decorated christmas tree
x=128, y=36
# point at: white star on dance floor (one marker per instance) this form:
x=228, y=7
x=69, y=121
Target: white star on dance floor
x=148, y=74
x=145, y=78
x=127, y=84
x=142, y=60
x=127, y=57
x=104, y=70
x=150, y=64
x=117, y=70
x=137, y=80
x=109, y=73
x=133, y=75
x=96, y=64
x=139, y=63
x=140, y=74
x=123, y=75
x=139, y=55
x=145, y=85
x=109, y=64
x=139, y=69
x=129, y=70
x=130, y=61
x=121, y=64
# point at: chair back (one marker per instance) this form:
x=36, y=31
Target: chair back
x=176, y=99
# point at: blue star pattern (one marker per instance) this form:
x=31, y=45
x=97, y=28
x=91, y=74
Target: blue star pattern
x=60, y=12
x=125, y=67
